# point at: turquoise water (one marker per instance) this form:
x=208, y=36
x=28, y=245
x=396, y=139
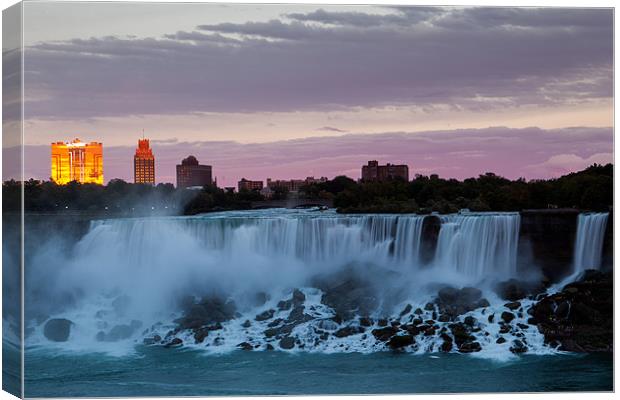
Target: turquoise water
x=155, y=371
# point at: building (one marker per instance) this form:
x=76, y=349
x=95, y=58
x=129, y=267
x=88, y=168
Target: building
x=191, y=173
x=245, y=184
x=77, y=161
x=373, y=172
x=144, y=163
x=294, y=185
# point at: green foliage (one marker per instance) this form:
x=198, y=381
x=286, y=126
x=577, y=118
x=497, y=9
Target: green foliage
x=590, y=189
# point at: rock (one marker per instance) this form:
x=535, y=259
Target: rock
x=518, y=347
x=350, y=297
x=176, y=342
x=287, y=343
x=580, y=317
x=348, y=331
x=384, y=334
x=284, y=305
x=275, y=322
x=513, y=290
x=446, y=345
x=411, y=329
x=418, y=311
x=504, y=329
x=429, y=307
x=246, y=324
x=461, y=333
x=265, y=315
x=151, y=340
x=57, y=329
x=200, y=335
x=500, y=340
x=382, y=322
x=469, y=320
x=207, y=311
x=400, y=341
x=298, y=297
x=245, y=346
x=365, y=321
x=512, y=305
x=454, y=302
x=470, y=347
x=406, y=311
x=523, y=326
x=297, y=315
x=444, y=318
x=269, y=347
x=491, y=318
x=507, y=316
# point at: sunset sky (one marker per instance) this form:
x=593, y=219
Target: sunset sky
x=279, y=91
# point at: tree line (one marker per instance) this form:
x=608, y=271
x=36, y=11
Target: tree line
x=589, y=189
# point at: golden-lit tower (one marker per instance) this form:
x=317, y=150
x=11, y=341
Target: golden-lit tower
x=144, y=163
x=77, y=161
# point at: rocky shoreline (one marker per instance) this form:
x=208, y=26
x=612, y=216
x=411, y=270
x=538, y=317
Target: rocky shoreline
x=578, y=318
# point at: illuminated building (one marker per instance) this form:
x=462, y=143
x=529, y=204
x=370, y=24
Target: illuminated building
x=191, y=174
x=379, y=173
x=77, y=161
x=245, y=184
x=144, y=163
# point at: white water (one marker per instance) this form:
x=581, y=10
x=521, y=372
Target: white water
x=589, y=241
x=157, y=261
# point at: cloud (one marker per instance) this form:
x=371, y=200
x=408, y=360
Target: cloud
x=466, y=59
x=561, y=164
x=530, y=153
x=331, y=129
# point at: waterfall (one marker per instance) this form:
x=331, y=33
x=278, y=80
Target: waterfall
x=479, y=245
x=589, y=241
x=303, y=236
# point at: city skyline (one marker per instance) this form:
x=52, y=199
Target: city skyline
x=467, y=89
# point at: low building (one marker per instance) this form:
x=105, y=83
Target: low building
x=190, y=173
x=293, y=185
x=245, y=184
x=373, y=172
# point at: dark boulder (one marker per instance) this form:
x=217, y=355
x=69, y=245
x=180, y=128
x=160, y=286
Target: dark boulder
x=349, y=298
x=500, y=340
x=207, y=311
x=400, y=341
x=287, y=342
x=284, y=305
x=57, y=329
x=384, y=334
x=245, y=346
x=453, y=302
x=470, y=347
x=265, y=315
x=513, y=290
x=365, y=321
x=580, y=317
x=200, y=335
x=446, y=345
x=176, y=342
x=518, y=347
x=512, y=305
x=469, y=320
x=507, y=316
x=461, y=333
x=406, y=311
x=275, y=322
x=298, y=297
x=246, y=324
x=348, y=331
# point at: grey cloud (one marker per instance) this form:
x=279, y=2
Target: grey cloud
x=279, y=66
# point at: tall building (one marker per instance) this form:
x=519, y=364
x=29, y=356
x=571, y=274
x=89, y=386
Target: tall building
x=191, y=173
x=245, y=184
x=144, y=163
x=373, y=172
x=77, y=161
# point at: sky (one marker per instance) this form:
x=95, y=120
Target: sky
x=289, y=91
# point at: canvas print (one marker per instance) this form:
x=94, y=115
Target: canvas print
x=212, y=199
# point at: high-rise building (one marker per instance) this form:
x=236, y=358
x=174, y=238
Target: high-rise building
x=191, y=173
x=379, y=173
x=245, y=184
x=77, y=161
x=144, y=163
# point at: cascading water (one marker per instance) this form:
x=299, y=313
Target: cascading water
x=130, y=273
x=589, y=241
x=479, y=245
